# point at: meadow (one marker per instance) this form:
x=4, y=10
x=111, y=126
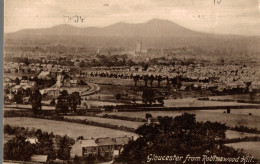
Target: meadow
x=73, y=130
x=237, y=117
x=252, y=148
x=130, y=124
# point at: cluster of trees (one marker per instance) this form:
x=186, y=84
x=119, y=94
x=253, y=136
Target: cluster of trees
x=149, y=96
x=148, y=79
x=176, y=82
x=68, y=102
x=180, y=136
x=108, y=61
x=19, y=148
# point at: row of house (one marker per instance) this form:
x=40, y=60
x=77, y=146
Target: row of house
x=228, y=77
x=101, y=147
x=35, y=68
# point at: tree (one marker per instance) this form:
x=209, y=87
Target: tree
x=63, y=102
x=151, y=78
x=146, y=66
x=75, y=100
x=160, y=100
x=146, y=78
x=53, y=103
x=80, y=138
x=136, y=79
x=159, y=79
x=148, y=96
x=180, y=136
x=148, y=115
x=45, y=144
x=179, y=84
x=118, y=97
x=18, y=149
x=18, y=97
x=64, y=148
x=130, y=63
x=36, y=99
x=26, y=61
x=82, y=64
x=17, y=81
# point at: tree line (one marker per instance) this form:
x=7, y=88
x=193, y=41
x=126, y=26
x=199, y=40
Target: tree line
x=19, y=148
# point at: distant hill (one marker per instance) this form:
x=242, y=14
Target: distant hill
x=155, y=33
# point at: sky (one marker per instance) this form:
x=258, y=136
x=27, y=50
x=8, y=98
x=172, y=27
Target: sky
x=240, y=17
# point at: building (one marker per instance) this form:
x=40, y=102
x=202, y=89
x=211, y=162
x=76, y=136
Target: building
x=70, y=83
x=139, y=47
x=86, y=148
x=100, y=147
x=106, y=147
x=39, y=158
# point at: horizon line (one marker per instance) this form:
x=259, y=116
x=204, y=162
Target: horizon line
x=158, y=19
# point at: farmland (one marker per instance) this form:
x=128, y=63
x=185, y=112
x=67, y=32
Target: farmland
x=230, y=134
x=129, y=124
x=237, y=117
x=252, y=148
x=71, y=129
x=193, y=102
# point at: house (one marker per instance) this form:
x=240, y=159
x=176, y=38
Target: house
x=32, y=140
x=50, y=93
x=152, y=121
x=7, y=80
x=120, y=143
x=44, y=75
x=70, y=83
x=100, y=147
x=24, y=82
x=87, y=148
x=39, y=158
x=137, y=68
x=106, y=147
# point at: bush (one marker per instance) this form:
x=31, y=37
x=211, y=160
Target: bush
x=81, y=112
x=123, y=118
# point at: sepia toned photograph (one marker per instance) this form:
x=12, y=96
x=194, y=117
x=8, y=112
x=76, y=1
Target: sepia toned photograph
x=131, y=82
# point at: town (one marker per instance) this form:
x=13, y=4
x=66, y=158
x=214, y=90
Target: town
x=94, y=90
x=129, y=82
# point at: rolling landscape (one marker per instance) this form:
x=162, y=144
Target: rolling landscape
x=155, y=33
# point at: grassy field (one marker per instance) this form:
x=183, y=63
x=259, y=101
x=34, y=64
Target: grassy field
x=192, y=102
x=129, y=124
x=230, y=134
x=65, y=128
x=235, y=97
x=252, y=148
x=233, y=119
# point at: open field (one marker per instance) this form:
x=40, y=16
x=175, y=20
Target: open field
x=230, y=134
x=103, y=103
x=65, y=128
x=129, y=124
x=118, y=85
x=27, y=107
x=193, y=102
x=233, y=119
x=252, y=148
x=235, y=97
